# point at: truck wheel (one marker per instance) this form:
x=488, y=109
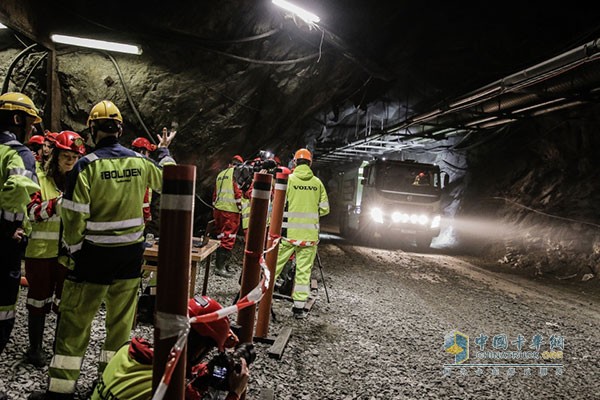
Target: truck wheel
x=344, y=226
x=423, y=242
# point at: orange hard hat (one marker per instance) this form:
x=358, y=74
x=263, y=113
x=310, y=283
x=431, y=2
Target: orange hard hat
x=303, y=154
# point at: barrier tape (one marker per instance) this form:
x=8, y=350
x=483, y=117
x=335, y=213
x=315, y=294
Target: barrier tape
x=177, y=327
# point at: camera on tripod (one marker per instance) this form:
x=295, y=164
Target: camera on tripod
x=223, y=364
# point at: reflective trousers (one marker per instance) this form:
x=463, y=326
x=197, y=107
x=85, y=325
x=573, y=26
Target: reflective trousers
x=226, y=227
x=305, y=257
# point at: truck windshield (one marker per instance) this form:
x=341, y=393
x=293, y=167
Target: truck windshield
x=407, y=178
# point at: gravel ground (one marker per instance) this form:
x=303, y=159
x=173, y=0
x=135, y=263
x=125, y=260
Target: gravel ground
x=382, y=334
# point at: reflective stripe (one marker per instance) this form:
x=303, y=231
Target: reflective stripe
x=301, y=288
x=104, y=226
x=21, y=171
x=66, y=362
x=128, y=238
x=77, y=207
x=38, y=303
x=261, y=194
x=153, y=290
x=180, y=202
x=232, y=235
x=61, y=385
x=4, y=315
x=75, y=247
x=294, y=225
x=91, y=157
x=106, y=356
x=324, y=204
x=44, y=235
x=11, y=216
x=280, y=186
x=220, y=200
x=299, y=304
x=314, y=216
x=226, y=191
x=166, y=160
x=145, y=205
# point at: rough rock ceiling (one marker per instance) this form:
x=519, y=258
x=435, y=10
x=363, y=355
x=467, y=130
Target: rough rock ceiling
x=368, y=69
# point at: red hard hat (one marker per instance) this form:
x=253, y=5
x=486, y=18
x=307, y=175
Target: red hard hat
x=51, y=136
x=218, y=330
x=143, y=143
x=36, y=139
x=67, y=140
x=237, y=158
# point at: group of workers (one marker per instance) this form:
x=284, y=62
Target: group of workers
x=306, y=201
x=78, y=219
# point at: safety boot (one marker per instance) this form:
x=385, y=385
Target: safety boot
x=35, y=354
x=222, y=258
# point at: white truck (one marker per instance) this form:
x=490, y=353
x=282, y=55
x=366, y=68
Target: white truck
x=389, y=199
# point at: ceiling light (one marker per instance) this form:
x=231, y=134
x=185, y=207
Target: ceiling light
x=308, y=17
x=2, y=26
x=97, y=44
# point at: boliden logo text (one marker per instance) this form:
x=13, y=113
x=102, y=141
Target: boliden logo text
x=126, y=173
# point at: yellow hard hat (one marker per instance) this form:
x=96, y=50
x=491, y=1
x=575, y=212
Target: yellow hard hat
x=13, y=101
x=105, y=110
x=304, y=154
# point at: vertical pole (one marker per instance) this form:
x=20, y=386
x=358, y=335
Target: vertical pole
x=257, y=227
x=264, y=308
x=53, y=101
x=174, y=256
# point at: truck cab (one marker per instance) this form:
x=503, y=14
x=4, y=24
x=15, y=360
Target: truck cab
x=389, y=199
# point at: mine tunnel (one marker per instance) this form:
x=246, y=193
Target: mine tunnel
x=455, y=245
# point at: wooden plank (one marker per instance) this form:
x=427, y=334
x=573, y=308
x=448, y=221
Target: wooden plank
x=198, y=254
x=276, y=351
x=314, y=285
x=310, y=303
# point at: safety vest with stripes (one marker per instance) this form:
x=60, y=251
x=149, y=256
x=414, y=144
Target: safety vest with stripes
x=18, y=181
x=226, y=198
x=306, y=201
x=105, y=194
x=44, y=237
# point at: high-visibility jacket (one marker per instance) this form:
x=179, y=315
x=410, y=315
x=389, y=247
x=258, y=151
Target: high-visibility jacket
x=306, y=201
x=45, y=220
x=227, y=195
x=245, y=212
x=18, y=181
x=104, y=197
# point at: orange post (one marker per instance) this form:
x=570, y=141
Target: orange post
x=257, y=227
x=264, y=308
x=174, y=252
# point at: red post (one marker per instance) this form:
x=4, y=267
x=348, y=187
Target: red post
x=174, y=256
x=257, y=227
x=264, y=308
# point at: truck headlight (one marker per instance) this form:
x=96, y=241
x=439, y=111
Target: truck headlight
x=423, y=219
x=396, y=216
x=377, y=215
x=435, y=222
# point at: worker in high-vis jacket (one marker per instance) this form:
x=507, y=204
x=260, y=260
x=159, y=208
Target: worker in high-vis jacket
x=103, y=229
x=306, y=201
x=227, y=207
x=18, y=181
x=45, y=265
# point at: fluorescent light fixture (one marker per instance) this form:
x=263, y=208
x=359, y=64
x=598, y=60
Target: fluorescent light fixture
x=97, y=44
x=2, y=26
x=308, y=17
